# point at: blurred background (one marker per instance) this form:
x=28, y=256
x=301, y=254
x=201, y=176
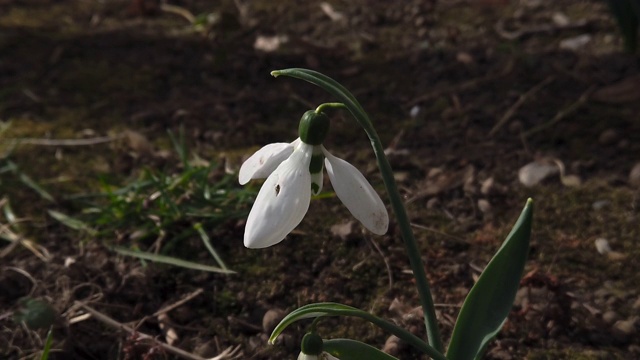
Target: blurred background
x=123, y=125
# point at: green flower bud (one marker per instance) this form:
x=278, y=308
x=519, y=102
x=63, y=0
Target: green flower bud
x=311, y=344
x=313, y=127
x=37, y=314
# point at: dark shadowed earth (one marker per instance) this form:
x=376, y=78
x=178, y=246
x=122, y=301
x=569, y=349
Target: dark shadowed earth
x=464, y=94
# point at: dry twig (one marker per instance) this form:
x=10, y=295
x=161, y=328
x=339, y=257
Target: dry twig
x=180, y=302
x=464, y=86
x=521, y=100
x=537, y=29
x=64, y=142
x=15, y=239
x=173, y=9
x=435, y=231
x=386, y=261
x=229, y=353
x=582, y=100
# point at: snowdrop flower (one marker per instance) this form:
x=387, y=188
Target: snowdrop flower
x=294, y=173
x=312, y=348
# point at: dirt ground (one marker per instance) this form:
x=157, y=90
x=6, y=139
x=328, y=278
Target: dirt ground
x=463, y=93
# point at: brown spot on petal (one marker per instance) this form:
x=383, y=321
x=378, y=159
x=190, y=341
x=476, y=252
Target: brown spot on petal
x=277, y=189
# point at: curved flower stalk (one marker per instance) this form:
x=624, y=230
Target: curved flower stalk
x=294, y=173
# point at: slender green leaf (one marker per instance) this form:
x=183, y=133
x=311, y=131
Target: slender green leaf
x=180, y=146
x=47, y=345
x=347, y=349
x=73, y=223
x=207, y=243
x=171, y=261
x=11, y=217
x=490, y=300
x=335, y=309
x=25, y=179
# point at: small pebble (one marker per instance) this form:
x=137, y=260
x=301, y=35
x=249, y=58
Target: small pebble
x=610, y=317
x=608, y=137
x=575, y=43
x=634, y=349
x=487, y=186
x=602, y=245
x=415, y=111
x=465, y=58
x=484, y=205
x=433, y=203
x=600, y=204
x=560, y=19
x=271, y=319
x=392, y=345
x=534, y=172
x=625, y=327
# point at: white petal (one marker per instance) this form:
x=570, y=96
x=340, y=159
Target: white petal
x=282, y=201
x=357, y=194
x=317, y=179
x=262, y=163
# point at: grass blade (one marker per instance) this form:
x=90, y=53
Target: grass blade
x=70, y=222
x=171, y=261
x=47, y=345
x=207, y=242
x=25, y=179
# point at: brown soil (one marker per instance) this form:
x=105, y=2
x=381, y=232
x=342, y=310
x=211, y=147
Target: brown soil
x=464, y=93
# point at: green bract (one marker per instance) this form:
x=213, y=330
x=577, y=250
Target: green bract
x=313, y=128
x=311, y=344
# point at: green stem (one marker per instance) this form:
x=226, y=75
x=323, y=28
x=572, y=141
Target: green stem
x=339, y=91
x=322, y=107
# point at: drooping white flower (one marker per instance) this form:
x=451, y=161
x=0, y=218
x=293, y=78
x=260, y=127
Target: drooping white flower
x=311, y=348
x=294, y=173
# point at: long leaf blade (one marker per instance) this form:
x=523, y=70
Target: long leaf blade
x=347, y=349
x=486, y=307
